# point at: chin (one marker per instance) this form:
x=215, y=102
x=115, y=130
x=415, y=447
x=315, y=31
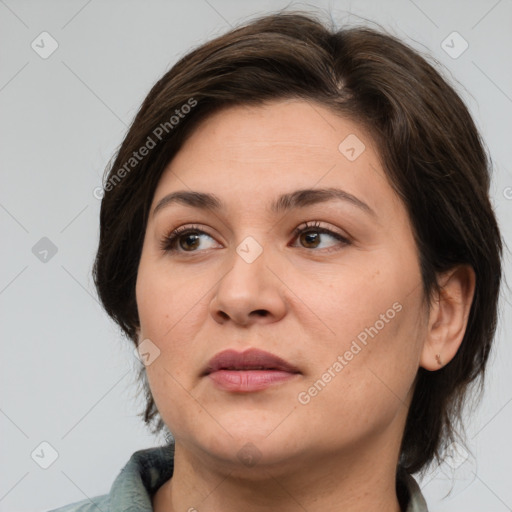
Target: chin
x=255, y=459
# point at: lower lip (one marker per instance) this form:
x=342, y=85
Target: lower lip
x=249, y=380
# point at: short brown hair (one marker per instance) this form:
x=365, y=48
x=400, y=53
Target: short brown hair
x=430, y=147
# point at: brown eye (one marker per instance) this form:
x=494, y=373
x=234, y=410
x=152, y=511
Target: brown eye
x=310, y=239
x=311, y=236
x=184, y=239
x=188, y=241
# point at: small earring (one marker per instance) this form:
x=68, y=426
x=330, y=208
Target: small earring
x=438, y=359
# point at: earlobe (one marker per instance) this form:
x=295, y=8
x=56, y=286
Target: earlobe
x=448, y=317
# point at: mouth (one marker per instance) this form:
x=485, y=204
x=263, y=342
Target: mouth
x=251, y=370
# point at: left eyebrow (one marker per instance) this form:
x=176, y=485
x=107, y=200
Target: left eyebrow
x=292, y=200
x=307, y=197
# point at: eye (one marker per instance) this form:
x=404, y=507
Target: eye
x=183, y=239
x=311, y=236
x=188, y=238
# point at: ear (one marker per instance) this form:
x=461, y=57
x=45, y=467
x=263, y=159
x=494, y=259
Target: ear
x=448, y=317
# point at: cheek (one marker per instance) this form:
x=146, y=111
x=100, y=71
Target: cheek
x=169, y=303
x=176, y=404
x=169, y=318
x=350, y=300
x=172, y=310
x=368, y=374
x=372, y=352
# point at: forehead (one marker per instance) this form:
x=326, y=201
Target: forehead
x=292, y=126
x=247, y=152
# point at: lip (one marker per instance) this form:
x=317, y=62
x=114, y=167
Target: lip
x=250, y=370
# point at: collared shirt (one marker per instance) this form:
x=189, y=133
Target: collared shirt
x=149, y=469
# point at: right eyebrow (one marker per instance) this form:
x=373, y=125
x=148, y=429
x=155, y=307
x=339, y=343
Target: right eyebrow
x=202, y=200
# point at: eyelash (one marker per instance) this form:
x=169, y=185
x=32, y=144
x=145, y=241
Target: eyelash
x=168, y=242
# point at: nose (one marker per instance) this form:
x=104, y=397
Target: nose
x=249, y=293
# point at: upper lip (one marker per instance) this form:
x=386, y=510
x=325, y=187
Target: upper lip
x=250, y=359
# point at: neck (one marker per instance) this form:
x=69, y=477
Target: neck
x=352, y=482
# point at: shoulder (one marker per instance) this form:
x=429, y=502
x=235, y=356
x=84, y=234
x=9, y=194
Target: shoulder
x=87, y=505
x=412, y=499
x=135, y=484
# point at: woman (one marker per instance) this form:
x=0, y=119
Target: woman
x=296, y=233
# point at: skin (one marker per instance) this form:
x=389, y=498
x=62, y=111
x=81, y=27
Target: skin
x=305, y=301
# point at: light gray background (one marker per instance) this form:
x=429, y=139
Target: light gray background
x=67, y=376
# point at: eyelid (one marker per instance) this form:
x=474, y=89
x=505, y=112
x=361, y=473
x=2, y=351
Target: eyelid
x=312, y=225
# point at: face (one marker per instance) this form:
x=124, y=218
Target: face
x=327, y=281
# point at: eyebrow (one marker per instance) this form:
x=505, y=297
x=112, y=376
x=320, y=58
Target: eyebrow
x=297, y=199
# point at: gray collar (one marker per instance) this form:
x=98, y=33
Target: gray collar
x=416, y=501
